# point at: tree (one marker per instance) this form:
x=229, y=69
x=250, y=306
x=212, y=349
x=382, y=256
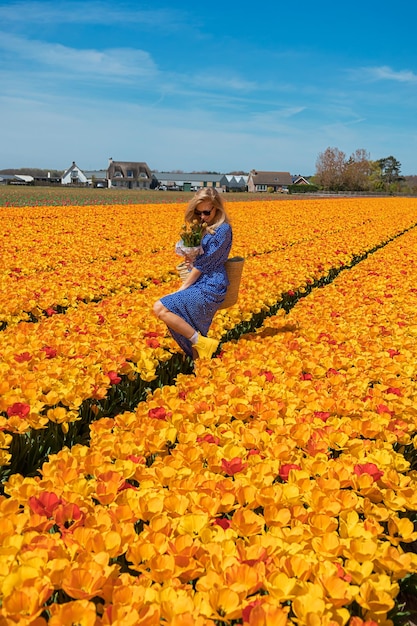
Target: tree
x=357, y=171
x=390, y=170
x=330, y=166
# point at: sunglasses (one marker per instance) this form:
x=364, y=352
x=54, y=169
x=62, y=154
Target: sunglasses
x=206, y=213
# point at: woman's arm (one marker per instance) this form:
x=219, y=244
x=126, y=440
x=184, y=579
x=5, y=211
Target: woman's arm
x=191, y=278
x=216, y=249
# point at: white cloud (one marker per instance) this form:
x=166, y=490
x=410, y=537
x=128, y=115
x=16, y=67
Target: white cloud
x=384, y=72
x=221, y=80
x=95, y=12
x=112, y=62
x=275, y=121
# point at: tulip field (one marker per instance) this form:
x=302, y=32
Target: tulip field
x=272, y=485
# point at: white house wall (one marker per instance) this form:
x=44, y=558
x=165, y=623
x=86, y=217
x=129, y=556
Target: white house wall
x=67, y=178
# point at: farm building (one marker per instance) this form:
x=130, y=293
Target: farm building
x=185, y=181
x=262, y=181
x=234, y=182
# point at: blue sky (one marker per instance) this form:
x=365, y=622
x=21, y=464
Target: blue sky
x=218, y=86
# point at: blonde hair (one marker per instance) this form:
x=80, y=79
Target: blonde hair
x=211, y=194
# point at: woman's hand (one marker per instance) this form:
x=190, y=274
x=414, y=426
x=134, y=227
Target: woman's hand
x=190, y=280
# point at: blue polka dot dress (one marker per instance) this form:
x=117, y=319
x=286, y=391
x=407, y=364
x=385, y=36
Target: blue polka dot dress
x=198, y=303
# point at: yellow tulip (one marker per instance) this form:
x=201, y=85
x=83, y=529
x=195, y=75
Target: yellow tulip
x=362, y=549
x=309, y=606
x=193, y=523
x=328, y=545
x=162, y=567
x=377, y=594
x=282, y=587
x=224, y=604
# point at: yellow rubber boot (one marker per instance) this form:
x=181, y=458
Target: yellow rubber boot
x=205, y=347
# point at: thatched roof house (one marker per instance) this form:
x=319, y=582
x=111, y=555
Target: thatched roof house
x=129, y=174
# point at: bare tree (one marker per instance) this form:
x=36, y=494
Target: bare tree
x=357, y=171
x=330, y=167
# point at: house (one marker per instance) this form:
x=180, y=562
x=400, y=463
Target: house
x=234, y=182
x=74, y=176
x=119, y=174
x=187, y=182
x=300, y=180
x=129, y=175
x=262, y=181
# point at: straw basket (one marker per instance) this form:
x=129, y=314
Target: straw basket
x=234, y=268
x=182, y=270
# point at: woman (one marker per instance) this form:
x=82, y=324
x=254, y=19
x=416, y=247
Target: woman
x=189, y=311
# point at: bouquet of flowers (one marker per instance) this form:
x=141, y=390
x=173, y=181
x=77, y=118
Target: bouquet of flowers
x=190, y=243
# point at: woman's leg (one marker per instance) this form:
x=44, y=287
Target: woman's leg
x=173, y=321
x=199, y=346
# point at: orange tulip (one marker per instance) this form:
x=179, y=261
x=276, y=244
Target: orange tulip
x=83, y=582
x=24, y=593
x=247, y=523
x=44, y=504
x=265, y=614
x=243, y=579
x=357, y=621
x=108, y=485
x=80, y=612
x=148, y=615
x=224, y=603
